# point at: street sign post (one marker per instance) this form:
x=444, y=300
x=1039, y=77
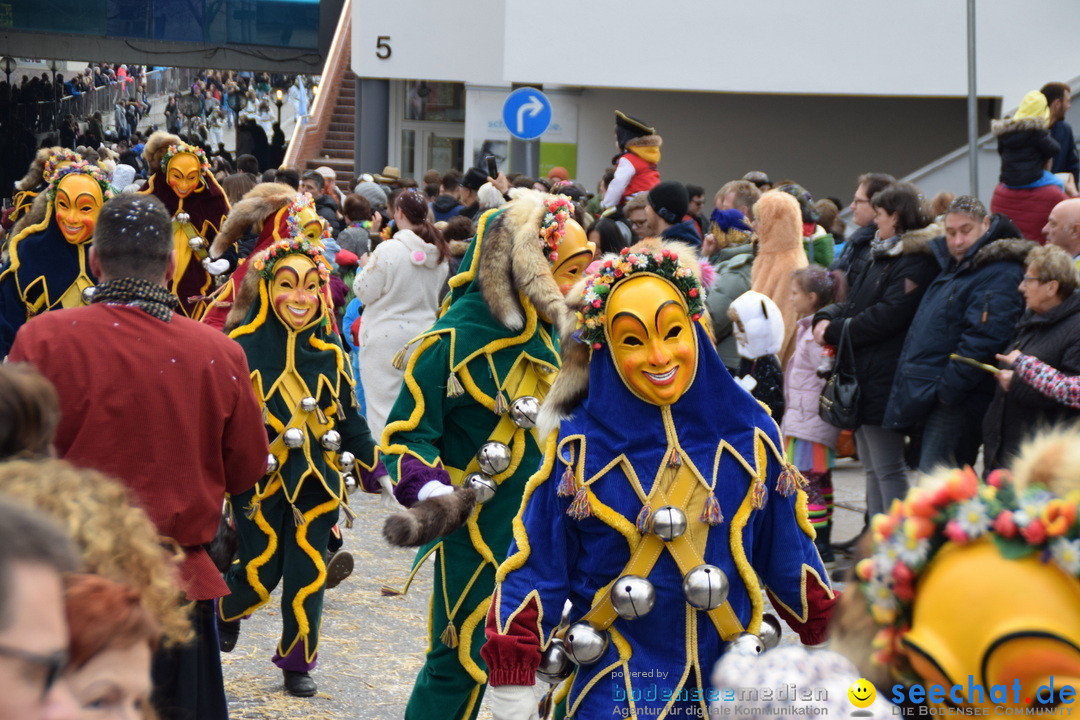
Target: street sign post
x=527, y=113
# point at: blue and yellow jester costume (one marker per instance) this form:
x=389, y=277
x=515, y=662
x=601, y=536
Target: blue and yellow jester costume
x=614, y=463
x=301, y=377
x=492, y=346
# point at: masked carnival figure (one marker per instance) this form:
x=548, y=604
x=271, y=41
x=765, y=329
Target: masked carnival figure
x=280, y=213
x=48, y=261
x=658, y=516
x=301, y=375
x=461, y=440
x=38, y=176
x=181, y=178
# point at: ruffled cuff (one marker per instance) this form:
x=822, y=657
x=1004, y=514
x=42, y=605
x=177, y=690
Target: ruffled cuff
x=413, y=474
x=369, y=479
x=512, y=657
x=820, y=602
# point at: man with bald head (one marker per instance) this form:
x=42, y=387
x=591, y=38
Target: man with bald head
x=1063, y=227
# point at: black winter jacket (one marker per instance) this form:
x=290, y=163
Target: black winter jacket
x=1054, y=338
x=970, y=309
x=881, y=304
x=327, y=210
x=1024, y=146
x=856, y=253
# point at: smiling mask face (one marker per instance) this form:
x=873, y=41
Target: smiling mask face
x=652, y=339
x=311, y=226
x=183, y=174
x=575, y=253
x=294, y=292
x=78, y=202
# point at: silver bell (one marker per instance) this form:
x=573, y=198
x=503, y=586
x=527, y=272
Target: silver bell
x=705, y=587
x=182, y=218
x=494, y=457
x=770, y=631
x=350, y=482
x=484, y=486
x=331, y=440
x=88, y=294
x=555, y=665
x=747, y=644
x=524, y=410
x=272, y=464
x=308, y=404
x=669, y=522
x=294, y=438
x=346, y=460
x=196, y=243
x=585, y=644
x=632, y=596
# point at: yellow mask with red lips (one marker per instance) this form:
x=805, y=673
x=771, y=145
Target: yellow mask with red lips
x=651, y=338
x=575, y=252
x=294, y=291
x=184, y=174
x=77, y=204
x=311, y=225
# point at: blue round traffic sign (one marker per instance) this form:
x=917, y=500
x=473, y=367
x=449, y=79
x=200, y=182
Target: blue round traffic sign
x=527, y=113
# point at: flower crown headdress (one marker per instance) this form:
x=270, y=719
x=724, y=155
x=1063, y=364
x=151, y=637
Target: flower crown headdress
x=264, y=263
x=292, y=216
x=183, y=147
x=632, y=261
x=81, y=167
x=1020, y=522
x=557, y=210
x=63, y=155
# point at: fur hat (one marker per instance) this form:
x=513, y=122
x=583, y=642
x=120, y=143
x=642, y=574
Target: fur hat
x=759, y=326
x=155, y=148
x=256, y=206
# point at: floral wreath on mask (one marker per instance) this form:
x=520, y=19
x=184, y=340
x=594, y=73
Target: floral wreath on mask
x=962, y=510
x=557, y=210
x=301, y=202
x=81, y=168
x=632, y=261
x=63, y=155
x=266, y=260
x=180, y=148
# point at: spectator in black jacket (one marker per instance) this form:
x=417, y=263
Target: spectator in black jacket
x=1059, y=98
x=312, y=184
x=856, y=253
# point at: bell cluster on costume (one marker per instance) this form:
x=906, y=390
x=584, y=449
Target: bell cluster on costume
x=494, y=457
x=183, y=147
x=80, y=167
x=664, y=263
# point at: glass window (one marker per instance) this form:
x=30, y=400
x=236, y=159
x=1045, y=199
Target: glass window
x=434, y=101
x=445, y=153
x=408, y=153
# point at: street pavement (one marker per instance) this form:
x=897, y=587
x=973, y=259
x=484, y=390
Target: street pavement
x=373, y=644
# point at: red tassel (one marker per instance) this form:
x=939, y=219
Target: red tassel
x=711, y=514
x=580, y=508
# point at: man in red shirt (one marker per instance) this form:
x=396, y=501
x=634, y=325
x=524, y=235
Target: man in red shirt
x=164, y=404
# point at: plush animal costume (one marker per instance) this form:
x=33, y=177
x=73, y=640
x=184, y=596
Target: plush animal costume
x=281, y=213
x=780, y=252
x=759, y=331
x=301, y=376
x=38, y=176
x=47, y=265
x=474, y=380
x=180, y=177
x=649, y=507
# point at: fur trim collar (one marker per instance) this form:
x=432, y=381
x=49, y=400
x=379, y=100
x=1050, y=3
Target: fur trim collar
x=36, y=172
x=1005, y=126
x=1004, y=250
x=645, y=141
x=458, y=247
x=155, y=148
x=915, y=242
x=257, y=205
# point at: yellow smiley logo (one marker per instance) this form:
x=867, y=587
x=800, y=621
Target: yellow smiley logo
x=862, y=693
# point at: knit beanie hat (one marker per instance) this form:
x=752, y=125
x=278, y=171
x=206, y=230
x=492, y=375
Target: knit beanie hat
x=806, y=207
x=628, y=127
x=670, y=201
x=1033, y=106
x=372, y=192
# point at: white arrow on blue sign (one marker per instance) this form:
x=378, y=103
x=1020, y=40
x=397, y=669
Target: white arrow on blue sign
x=527, y=113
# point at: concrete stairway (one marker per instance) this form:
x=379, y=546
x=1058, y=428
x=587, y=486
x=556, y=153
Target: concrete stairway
x=337, y=149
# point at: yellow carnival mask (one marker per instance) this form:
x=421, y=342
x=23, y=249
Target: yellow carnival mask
x=184, y=174
x=77, y=204
x=294, y=291
x=311, y=226
x=575, y=252
x=651, y=338
x=970, y=618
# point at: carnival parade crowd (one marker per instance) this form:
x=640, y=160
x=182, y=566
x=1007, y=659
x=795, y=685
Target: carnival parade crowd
x=607, y=419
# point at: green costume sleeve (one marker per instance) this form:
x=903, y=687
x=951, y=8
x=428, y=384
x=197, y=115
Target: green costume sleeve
x=356, y=438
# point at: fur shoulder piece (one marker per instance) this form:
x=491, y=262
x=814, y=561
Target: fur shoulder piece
x=1004, y=126
x=915, y=242
x=645, y=141
x=512, y=262
x=458, y=247
x=1004, y=250
x=243, y=300
x=155, y=148
x=1051, y=458
x=257, y=205
x=35, y=215
x=36, y=172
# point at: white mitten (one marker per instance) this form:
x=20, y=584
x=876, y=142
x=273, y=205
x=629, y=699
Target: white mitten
x=387, y=495
x=748, y=383
x=513, y=702
x=216, y=267
x=434, y=488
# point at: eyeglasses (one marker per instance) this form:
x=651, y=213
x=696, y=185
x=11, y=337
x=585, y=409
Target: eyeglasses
x=858, y=200
x=1028, y=279
x=50, y=665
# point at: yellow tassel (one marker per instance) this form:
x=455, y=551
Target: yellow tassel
x=449, y=636
x=350, y=515
x=547, y=703
x=399, y=358
x=297, y=516
x=501, y=406
x=251, y=510
x=453, y=386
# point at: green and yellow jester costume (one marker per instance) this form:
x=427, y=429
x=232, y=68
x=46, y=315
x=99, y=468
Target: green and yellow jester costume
x=301, y=376
x=474, y=380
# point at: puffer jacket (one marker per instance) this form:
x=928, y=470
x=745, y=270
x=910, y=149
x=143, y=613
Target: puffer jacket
x=881, y=303
x=1054, y=338
x=970, y=309
x=802, y=389
x=733, y=265
x=1024, y=146
x=1028, y=208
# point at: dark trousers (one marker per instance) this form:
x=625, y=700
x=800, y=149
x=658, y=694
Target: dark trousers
x=952, y=435
x=188, y=684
